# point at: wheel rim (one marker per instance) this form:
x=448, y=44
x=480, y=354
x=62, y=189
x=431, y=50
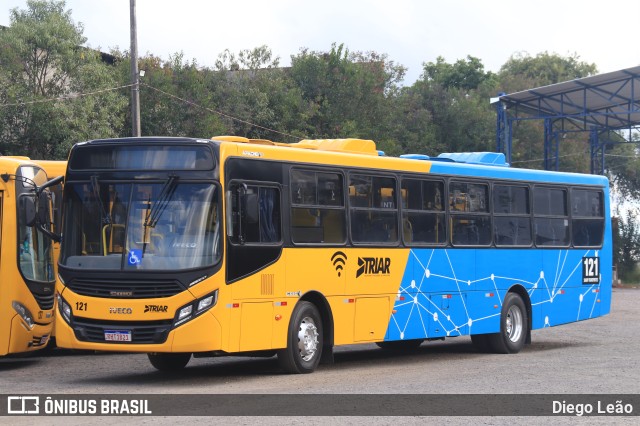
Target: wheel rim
x=307, y=338
x=514, y=324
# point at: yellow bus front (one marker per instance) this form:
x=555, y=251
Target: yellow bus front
x=142, y=248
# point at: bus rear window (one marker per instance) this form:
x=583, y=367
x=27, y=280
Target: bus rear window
x=147, y=157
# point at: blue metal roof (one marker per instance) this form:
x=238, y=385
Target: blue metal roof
x=608, y=100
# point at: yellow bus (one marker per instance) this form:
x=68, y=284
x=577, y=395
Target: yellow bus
x=26, y=256
x=186, y=247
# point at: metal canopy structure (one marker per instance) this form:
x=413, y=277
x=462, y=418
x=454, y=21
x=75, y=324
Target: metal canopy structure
x=598, y=104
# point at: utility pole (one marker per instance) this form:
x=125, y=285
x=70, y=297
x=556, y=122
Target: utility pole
x=135, y=77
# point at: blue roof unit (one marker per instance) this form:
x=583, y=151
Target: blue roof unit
x=484, y=158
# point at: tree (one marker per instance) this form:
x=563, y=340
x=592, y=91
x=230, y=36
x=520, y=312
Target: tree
x=453, y=97
x=626, y=243
x=347, y=93
x=42, y=62
x=464, y=74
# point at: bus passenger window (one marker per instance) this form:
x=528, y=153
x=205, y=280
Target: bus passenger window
x=373, y=209
x=470, y=220
x=423, y=215
x=587, y=220
x=512, y=216
x=551, y=221
x=317, y=208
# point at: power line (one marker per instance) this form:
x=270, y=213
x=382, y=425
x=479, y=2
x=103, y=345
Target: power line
x=222, y=113
x=96, y=92
x=65, y=97
x=542, y=159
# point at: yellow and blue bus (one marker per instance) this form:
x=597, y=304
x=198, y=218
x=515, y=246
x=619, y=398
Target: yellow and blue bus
x=179, y=247
x=26, y=256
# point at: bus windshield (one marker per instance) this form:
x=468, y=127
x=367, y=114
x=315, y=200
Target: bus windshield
x=168, y=225
x=35, y=256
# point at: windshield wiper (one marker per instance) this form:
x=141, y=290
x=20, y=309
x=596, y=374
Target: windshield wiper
x=153, y=215
x=95, y=186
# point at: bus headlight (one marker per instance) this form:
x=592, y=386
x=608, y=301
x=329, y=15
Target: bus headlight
x=195, y=308
x=205, y=303
x=24, y=313
x=185, y=312
x=65, y=309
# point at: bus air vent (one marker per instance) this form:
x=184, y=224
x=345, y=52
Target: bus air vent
x=268, y=281
x=138, y=289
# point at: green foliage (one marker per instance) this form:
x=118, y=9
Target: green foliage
x=626, y=244
x=523, y=71
x=41, y=59
x=464, y=74
x=346, y=93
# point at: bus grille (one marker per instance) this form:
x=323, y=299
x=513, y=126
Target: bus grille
x=90, y=330
x=126, y=289
x=44, y=302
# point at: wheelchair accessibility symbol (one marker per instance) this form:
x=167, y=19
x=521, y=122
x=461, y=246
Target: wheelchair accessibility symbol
x=134, y=257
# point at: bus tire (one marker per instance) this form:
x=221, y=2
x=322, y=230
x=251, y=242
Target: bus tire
x=304, y=340
x=514, y=326
x=400, y=345
x=169, y=361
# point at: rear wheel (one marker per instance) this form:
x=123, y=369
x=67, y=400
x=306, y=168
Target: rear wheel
x=514, y=325
x=169, y=361
x=401, y=345
x=304, y=341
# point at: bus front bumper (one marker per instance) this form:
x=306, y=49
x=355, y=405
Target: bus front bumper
x=201, y=334
x=24, y=339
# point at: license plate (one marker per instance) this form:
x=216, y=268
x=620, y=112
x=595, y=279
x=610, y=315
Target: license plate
x=117, y=335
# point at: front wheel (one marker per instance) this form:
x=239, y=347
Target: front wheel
x=514, y=325
x=169, y=361
x=304, y=340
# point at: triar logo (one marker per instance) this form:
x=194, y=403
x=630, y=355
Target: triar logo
x=373, y=266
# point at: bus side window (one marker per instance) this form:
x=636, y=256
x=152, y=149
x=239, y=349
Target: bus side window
x=317, y=207
x=512, y=215
x=373, y=209
x=587, y=221
x=423, y=216
x=551, y=221
x=255, y=216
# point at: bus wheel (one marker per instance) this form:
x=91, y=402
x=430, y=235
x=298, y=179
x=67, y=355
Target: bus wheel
x=304, y=340
x=513, y=326
x=400, y=345
x=169, y=361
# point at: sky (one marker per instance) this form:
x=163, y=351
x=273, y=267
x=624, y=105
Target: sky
x=410, y=32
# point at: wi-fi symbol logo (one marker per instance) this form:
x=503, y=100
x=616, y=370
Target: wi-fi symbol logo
x=339, y=259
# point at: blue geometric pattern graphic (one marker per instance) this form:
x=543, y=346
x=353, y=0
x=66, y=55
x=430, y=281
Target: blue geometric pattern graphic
x=454, y=292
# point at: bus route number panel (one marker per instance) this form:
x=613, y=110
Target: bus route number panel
x=590, y=270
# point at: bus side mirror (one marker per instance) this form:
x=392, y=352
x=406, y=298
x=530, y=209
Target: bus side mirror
x=28, y=210
x=44, y=209
x=251, y=209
